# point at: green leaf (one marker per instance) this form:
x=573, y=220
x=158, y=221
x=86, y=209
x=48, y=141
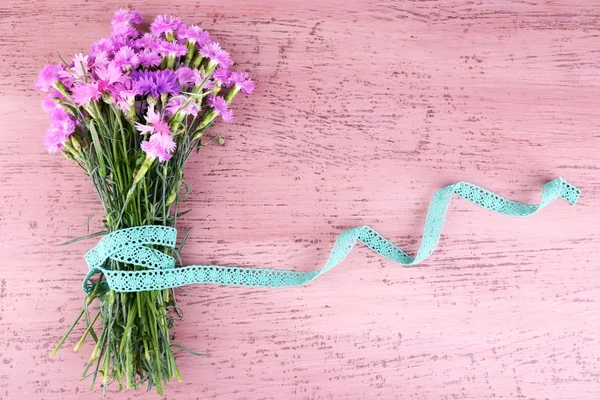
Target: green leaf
x=92, y=235
x=177, y=346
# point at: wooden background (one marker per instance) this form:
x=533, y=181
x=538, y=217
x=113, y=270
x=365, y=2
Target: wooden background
x=362, y=110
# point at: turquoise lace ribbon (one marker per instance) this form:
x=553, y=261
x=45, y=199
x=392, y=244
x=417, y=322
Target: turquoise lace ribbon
x=158, y=269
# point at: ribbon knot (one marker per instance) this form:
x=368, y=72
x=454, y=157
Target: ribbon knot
x=130, y=246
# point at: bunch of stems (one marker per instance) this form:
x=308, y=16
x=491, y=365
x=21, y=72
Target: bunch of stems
x=133, y=344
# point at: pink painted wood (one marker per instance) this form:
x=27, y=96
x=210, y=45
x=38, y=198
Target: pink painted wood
x=362, y=111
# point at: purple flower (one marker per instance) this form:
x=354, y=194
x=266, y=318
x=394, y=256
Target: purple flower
x=123, y=16
x=48, y=76
x=59, y=131
x=166, y=83
x=216, y=54
x=166, y=24
x=193, y=34
x=241, y=81
x=143, y=81
x=222, y=76
x=156, y=82
x=219, y=106
x=84, y=93
x=149, y=58
x=126, y=58
x=176, y=103
x=168, y=49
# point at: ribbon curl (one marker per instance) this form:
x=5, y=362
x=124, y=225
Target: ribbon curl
x=131, y=246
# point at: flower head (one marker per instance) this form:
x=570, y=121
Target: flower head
x=59, y=131
x=149, y=58
x=124, y=94
x=156, y=82
x=108, y=75
x=241, y=81
x=168, y=49
x=124, y=32
x=219, y=106
x=103, y=45
x=222, y=76
x=193, y=34
x=48, y=76
x=147, y=41
x=50, y=105
x=81, y=65
x=154, y=149
x=123, y=16
x=178, y=104
x=216, y=54
x=154, y=123
x=165, y=24
x=187, y=76
x=84, y=93
x=126, y=58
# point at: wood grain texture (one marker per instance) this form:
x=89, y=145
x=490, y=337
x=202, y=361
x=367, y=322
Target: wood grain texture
x=362, y=111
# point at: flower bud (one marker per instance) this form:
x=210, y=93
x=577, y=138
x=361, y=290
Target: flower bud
x=152, y=100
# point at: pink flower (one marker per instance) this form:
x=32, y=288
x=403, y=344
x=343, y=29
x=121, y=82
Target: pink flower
x=216, y=54
x=193, y=34
x=68, y=77
x=154, y=149
x=187, y=76
x=220, y=107
x=149, y=58
x=165, y=24
x=161, y=142
x=108, y=75
x=162, y=127
x=48, y=76
x=147, y=41
x=80, y=65
x=222, y=76
x=126, y=58
x=123, y=32
x=199, y=78
x=154, y=123
x=103, y=45
x=59, y=131
x=123, y=16
x=124, y=94
x=84, y=93
x=101, y=58
x=241, y=81
x=176, y=103
x=168, y=49
x=164, y=141
x=49, y=105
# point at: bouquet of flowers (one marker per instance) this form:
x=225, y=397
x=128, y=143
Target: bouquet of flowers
x=130, y=114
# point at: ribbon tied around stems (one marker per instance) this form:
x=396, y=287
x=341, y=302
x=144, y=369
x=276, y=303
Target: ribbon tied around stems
x=158, y=271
